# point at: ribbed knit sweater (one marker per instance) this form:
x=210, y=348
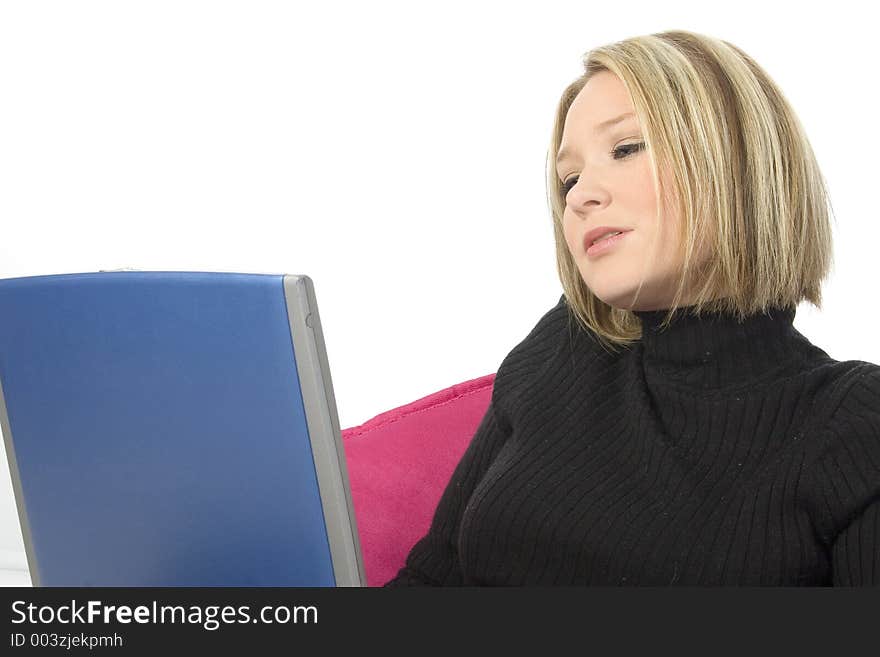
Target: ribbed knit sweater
x=709, y=453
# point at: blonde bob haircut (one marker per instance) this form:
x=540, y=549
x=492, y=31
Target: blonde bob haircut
x=744, y=175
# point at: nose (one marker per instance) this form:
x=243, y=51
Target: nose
x=582, y=197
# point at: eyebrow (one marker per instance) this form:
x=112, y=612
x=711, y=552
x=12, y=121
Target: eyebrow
x=565, y=152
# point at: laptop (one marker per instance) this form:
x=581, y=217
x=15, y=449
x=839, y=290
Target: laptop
x=174, y=429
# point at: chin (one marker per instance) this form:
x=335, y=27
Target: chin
x=617, y=298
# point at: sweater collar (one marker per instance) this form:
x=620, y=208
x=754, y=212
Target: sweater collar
x=716, y=351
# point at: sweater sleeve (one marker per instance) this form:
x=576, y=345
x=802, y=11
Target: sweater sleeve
x=433, y=560
x=848, y=484
x=855, y=556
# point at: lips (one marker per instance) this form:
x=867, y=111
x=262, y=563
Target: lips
x=599, y=232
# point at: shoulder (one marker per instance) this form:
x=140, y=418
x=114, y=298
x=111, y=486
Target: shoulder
x=861, y=409
x=544, y=334
x=868, y=381
x=531, y=352
x=860, y=400
x=853, y=408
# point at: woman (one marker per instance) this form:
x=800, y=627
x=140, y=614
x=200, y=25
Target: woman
x=680, y=430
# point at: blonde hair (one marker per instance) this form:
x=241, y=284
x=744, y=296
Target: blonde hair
x=743, y=171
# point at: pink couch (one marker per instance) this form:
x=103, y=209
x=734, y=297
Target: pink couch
x=399, y=463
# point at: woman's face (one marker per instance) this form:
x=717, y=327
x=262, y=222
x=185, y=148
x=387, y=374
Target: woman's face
x=608, y=176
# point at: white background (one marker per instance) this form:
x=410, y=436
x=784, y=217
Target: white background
x=393, y=151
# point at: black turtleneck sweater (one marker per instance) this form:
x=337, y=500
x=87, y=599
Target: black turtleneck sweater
x=711, y=453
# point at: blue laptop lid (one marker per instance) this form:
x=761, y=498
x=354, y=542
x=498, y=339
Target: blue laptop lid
x=157, y=433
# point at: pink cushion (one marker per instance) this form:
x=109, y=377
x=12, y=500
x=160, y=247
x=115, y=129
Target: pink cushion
x=399, y=463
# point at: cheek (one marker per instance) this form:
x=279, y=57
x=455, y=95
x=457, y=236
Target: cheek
x=569, y=230
x=644, y=192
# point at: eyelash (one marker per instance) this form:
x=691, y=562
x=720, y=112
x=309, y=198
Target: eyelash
x=635, y=149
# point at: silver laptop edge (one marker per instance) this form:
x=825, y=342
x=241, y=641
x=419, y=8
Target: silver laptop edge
x=19, y=494
x=320, y=403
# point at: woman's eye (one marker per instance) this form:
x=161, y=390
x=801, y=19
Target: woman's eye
x=626, y=149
